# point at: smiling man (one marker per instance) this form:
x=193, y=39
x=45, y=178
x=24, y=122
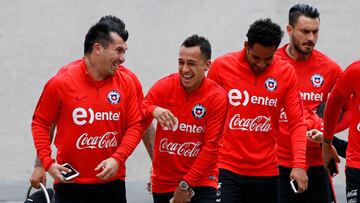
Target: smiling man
x=258, y=84
x=95, y=109
x=190, y=110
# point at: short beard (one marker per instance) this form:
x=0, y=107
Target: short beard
x=304, y=53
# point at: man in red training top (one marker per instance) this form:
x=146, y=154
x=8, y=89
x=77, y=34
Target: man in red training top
x=95, y=109
x=317, y=75
x=190, y=110
x=346, y=87
x=38, y=175
x=258, y=84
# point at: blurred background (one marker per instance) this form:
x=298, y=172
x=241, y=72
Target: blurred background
x=39, y=37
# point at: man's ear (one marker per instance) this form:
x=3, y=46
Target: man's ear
x=289, y=29
x=208, y=64
x=246, y=45
x=97, y=48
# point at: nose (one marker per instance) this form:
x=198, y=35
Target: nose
x=185, y=68
x=311, y=37
x=121, y=58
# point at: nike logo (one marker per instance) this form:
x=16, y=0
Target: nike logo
x=77, y=98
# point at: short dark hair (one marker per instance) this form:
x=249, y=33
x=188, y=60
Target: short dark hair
x=202, y=42
x=100, y=32
x=302, y=10
x=265, y=33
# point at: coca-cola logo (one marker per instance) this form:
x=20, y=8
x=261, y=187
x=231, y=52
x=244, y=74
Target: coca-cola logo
x=97, y=142
x=283, y=116
x=187, y=149
x=259, y=123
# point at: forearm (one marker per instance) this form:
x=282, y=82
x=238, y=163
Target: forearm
x=344, y=121
x=298, y=141
x=206, y=159
x=148, y=140
x=42, y=143
x=51, y=133
x=332, y=111
x=37, y=162
x=128, y=143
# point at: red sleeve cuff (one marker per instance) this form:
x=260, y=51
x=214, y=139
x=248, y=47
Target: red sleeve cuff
x=151, y=109
x=299, y=165
x=47, y=162
x=189, y=182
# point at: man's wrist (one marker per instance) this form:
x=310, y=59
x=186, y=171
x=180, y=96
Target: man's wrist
x=37, y=162
x=326, y=141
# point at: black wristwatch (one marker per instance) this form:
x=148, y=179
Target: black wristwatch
x=184, y=185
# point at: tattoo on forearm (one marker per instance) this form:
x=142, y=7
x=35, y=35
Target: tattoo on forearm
x=37, y=162
x=151, y=150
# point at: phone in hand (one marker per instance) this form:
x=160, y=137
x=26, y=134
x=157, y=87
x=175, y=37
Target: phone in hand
x=70, y=175
x=333, y=168
x=294, y=186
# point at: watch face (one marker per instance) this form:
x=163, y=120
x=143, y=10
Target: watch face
x=184, y=185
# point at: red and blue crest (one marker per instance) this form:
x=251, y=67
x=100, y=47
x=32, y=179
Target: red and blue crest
x=113, y=97
x=271, y=84
x=317, y=80
x=198, y=111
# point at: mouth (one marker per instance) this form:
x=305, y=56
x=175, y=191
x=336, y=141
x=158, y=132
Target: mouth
x=115, y=65
x=309, y=44
x=258, y=69
x=186, y=78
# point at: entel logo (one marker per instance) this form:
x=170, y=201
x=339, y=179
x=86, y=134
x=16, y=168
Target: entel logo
x=236, y=99
x=80, y=116
x=311, y=96
x=184, y=127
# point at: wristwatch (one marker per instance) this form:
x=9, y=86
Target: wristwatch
x=184, y=185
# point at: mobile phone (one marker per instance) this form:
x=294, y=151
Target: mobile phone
x=192, y=193
x=294, y=186
x=333, y=168
x=70, y=175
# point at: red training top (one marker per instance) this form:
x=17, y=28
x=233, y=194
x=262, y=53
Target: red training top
x=189, y=151
x=139, y=91
x=95, y=120
x=347, y=86
x=252, y=123
x=317, y=76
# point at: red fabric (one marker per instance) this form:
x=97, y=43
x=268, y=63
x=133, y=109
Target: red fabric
x=90, y=128
x=139, y=91
x=313, y=92
x=188, y=152
x=252, y=124
x=346, y=87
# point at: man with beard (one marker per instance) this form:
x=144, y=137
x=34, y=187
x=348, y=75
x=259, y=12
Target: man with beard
x=258, y=84
x=317, y=75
